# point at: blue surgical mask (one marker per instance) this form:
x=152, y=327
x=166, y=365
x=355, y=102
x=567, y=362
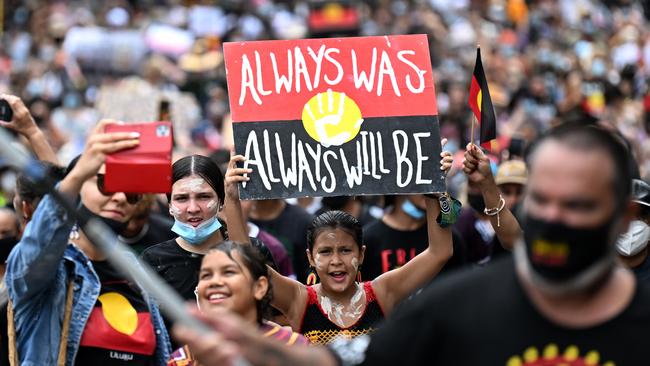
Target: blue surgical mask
x=196, y=235
x=410, y=209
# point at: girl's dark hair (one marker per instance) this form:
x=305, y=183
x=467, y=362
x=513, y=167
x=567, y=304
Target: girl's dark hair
x=202, y=166
x=334, y=220
x=254, y=261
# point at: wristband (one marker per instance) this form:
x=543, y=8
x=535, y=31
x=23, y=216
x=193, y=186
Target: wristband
x=449, y=210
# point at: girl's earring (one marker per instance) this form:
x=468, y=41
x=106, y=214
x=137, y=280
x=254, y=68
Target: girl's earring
x=312, y=278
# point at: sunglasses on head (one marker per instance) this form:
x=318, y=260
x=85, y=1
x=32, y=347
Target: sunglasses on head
x=131, y=198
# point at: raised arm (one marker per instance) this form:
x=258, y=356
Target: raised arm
x=476, y=166
x=23, y=123
x=289, y=296
x=393, y=286
x=237, y=230
x=33, y=262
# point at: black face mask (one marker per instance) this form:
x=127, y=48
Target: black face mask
x=476, y=202
x=6, y=245
x=558, y=252
x=115, y=225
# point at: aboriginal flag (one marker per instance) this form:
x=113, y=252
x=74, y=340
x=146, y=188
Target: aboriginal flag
x=481, y=103
x=337, y=17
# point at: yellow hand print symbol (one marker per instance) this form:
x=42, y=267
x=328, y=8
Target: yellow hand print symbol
x=329, y=125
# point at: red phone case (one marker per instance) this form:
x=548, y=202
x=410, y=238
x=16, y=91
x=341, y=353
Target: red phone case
x=146, y=168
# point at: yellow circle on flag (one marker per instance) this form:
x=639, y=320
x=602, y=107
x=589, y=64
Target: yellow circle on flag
x=331, y=118
x=333, y=12
x=119, y=312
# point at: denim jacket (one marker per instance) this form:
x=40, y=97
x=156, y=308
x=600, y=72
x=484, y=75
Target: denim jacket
x=38, y=272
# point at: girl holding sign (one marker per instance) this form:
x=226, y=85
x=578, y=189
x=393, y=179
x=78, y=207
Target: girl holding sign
x=339, y=304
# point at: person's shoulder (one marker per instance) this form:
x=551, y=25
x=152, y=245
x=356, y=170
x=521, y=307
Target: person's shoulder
x=372, y=224
x=374, y=227
x=161, y=249
x=270, y=240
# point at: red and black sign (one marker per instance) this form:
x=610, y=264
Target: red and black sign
x=341, y=116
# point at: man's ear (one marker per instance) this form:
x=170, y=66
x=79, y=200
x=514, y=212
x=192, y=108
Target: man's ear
x=260, y=288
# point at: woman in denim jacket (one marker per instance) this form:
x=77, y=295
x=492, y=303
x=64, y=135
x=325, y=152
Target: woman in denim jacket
x=107, y=320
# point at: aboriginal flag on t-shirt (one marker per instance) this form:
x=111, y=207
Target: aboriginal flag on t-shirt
x=119, y=330
x=481, y=103
x=336, y=116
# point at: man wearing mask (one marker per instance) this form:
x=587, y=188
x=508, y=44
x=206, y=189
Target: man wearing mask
x=562, y=298
x=632, y=246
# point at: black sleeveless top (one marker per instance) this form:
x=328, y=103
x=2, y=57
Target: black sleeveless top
x=319, y=329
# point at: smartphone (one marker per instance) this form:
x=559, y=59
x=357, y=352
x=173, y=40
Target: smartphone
x=6, y=113
x=146, y=168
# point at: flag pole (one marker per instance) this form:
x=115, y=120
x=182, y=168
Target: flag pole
x=473, y=124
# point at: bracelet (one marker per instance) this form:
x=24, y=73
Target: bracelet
x=495, y=211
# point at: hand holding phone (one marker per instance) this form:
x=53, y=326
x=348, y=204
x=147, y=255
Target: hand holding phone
x=145, y=168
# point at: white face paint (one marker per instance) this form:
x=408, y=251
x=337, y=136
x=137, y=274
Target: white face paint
x=173, y=210
x=212, y=204
x=318, y=262
x=355, y=263
x=193, y=185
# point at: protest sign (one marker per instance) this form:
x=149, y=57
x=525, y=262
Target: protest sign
x=339, y=116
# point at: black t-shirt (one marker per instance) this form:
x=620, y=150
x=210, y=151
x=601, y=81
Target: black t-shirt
x=388, y=248
x=485, y=318
x=178, y=267
x=119, y=330
x=290, y=228
x=175, y=265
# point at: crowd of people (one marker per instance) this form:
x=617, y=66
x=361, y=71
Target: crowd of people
x=546, y=261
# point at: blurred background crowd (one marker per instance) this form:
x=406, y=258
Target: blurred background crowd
x=547, y=61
